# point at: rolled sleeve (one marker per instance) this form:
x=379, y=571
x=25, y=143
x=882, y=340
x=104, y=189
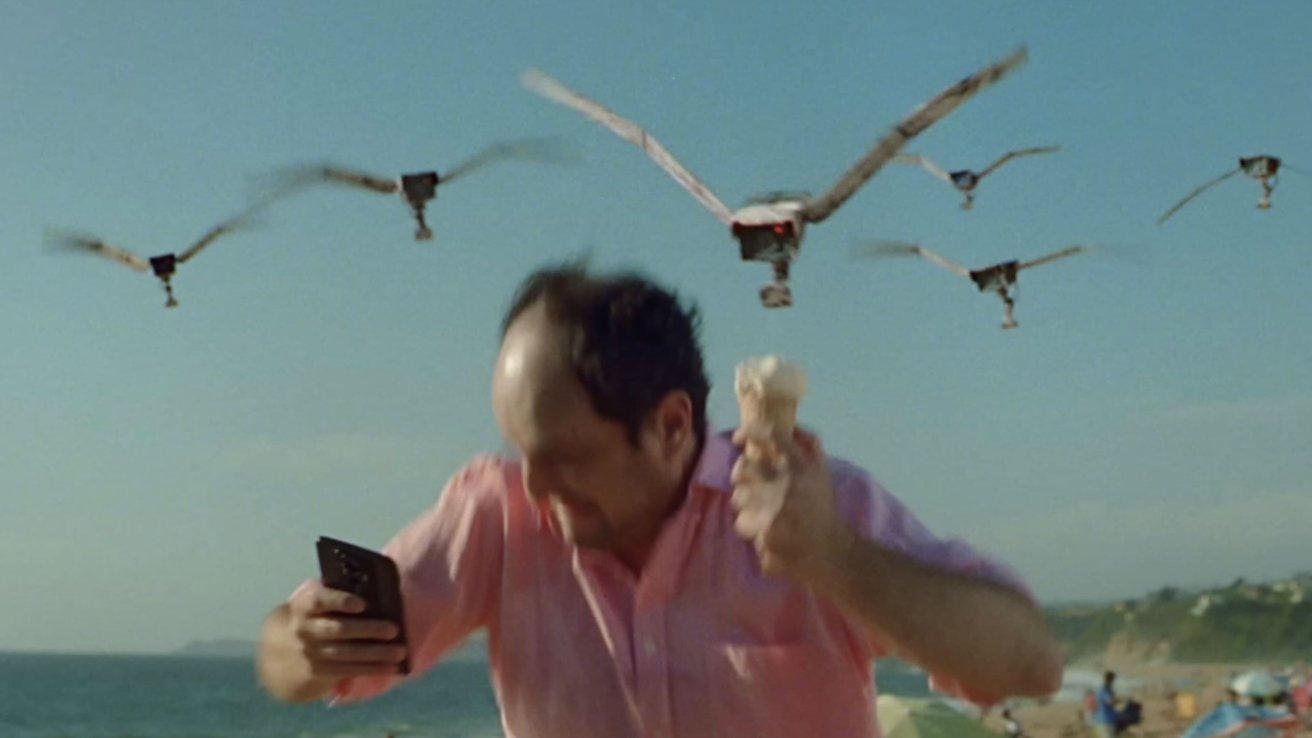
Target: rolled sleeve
x=881, y=517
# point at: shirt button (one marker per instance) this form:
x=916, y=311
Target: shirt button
x=649, y=646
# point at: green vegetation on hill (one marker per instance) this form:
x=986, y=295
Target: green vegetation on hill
x=1240, y=622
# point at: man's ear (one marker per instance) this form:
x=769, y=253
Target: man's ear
x=672, y=423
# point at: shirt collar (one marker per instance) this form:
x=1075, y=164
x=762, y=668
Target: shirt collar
x=716, y=461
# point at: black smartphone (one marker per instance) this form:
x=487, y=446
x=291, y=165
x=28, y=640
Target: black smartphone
x=369, y=575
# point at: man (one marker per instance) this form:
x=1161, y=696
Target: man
x=604, y=564
x=1105, y=715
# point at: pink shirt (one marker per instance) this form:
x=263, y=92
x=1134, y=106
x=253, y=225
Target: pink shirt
x=701, y=644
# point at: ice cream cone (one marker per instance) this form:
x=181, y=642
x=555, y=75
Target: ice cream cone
x=769, y=390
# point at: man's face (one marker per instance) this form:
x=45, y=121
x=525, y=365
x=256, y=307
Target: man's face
x=597, y=484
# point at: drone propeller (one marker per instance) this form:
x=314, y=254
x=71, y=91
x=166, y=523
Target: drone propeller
x=549, y=88
x=898, y=248
x=926, y=164
x=1197, y=191
x=1014, y=154
x=923, y=117
x=544, y=150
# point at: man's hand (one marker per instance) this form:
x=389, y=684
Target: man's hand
x=336, y=641
x=317, y=638
x=806, y=535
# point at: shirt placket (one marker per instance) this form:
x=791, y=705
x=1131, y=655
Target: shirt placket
x=651, y=666
x=652, y=638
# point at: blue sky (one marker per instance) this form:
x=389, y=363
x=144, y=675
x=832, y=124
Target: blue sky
x=163, y=474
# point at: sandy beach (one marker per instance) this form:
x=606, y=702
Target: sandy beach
x=1153, y=684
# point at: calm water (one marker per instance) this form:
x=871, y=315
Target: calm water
x=65, y=696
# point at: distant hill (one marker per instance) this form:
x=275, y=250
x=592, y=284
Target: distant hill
x=1269, y=621
x=235, y=648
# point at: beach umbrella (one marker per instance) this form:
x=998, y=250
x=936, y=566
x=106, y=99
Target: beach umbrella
x=1241, y=721
x=1256, y=684
x=904, y=717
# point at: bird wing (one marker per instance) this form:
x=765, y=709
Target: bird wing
x=359, y=179
x=923, y=117
x=1069, y=251
x=1013, y=154
x=942, y=261
x=547, y=150
x=552, y=90
x=244, y=219
x=1198, y=191
x=63, y=240
x=898, y=248
x=925, y=164
x=288, y=181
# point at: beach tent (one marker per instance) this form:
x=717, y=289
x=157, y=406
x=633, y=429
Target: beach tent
x=905, y=717
x=1242, y=721
x=1257, y=684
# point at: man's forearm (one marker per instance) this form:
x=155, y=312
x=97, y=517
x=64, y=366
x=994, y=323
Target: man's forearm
x=282, y=668
x=990, y=639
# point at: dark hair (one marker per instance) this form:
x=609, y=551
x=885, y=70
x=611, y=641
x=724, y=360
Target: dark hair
x=630, y=341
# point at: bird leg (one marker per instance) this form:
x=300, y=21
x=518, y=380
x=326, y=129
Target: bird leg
x=423, y=232
x=168, y=290
x=969, y=201
x=1268, y=186
x=778, y=294
x=1009, y=318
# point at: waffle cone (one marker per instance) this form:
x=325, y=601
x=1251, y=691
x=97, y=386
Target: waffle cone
x=778, y=412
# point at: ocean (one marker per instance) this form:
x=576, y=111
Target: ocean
x=76, y=696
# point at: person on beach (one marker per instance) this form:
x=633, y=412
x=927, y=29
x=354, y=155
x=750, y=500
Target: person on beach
x=1104, y=714
x=604, y=563
x=1011, y=726
x=1300, y=696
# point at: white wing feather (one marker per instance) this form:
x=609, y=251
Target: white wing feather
x=77, y=242
x=910, y=127
x=1197, y=191
x=924, y=163
x=555, y=91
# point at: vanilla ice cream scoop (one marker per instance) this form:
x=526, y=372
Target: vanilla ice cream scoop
x=769, y=390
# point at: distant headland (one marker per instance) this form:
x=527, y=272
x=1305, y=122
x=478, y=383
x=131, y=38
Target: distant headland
x=233, y=648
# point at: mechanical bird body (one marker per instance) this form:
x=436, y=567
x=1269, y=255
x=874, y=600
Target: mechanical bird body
x=1000, y=278
x=771, y=229
x=966, y=180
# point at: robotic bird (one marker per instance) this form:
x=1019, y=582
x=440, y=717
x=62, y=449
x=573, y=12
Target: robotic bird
x=164, y=266
x=999, y=279
x=771, y=228
x=966, y=180
x=417, y=189
x=1262, y=168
